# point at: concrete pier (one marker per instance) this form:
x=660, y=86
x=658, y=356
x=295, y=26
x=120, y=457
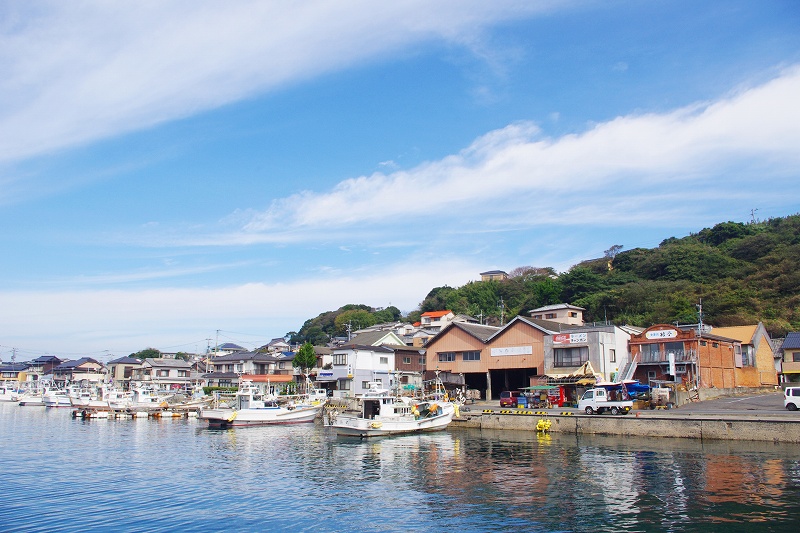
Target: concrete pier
x=659, y=424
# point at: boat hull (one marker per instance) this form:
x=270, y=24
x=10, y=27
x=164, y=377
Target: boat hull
x=351, y=426
x=226, y=418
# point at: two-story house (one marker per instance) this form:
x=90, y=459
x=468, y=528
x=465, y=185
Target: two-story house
x=689, y=356
x=165, y=374
x=790, y=361
x=84, y=370
x=121, y=370
x=355, y=366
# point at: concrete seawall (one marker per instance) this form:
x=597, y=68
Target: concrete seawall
x=706, y=427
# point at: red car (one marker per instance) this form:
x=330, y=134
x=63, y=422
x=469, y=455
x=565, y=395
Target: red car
x=509, y=398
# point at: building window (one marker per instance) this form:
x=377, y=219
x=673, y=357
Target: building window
x=573, y=314
x=703, y=343
x=550, y=315
x=651, y=353
x=447, y=357
x=715, y=345
x=406, y=360
x=537, y=316
x=162, y=373
x=384, y=360
x=472, y=355
x=281, y=365
x=183, y=373
x=612, y=355
x=340, y=359
x=796, y=357
x=570, y=356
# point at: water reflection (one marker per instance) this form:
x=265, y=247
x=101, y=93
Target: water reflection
x=176, y=475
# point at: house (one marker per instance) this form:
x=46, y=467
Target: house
x=494, y=275
x=276, y=345
x=164, y=374
x=790, y=361
x=409, y=367
x=691, y=357
x=84, y=369
x=273, y=371
x=121, y=370
x=564, y=313
x=355, y=366
x=432, y=322
x=756, y=366
x=43, y=365
x=227, y=348
x=14, y=371
x=436, y=320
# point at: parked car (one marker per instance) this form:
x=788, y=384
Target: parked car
x=509, y=398
x=791, y=398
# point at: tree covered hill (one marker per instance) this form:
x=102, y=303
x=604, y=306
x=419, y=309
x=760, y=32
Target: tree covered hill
x=741, y=273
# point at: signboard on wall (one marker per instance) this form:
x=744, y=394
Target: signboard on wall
x=512, y=350
x=570, y=338
x=662, y=334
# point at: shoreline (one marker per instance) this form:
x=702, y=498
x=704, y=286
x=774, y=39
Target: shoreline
x=700, y=426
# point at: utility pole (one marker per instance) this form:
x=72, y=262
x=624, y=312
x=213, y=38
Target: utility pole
x=502, y=307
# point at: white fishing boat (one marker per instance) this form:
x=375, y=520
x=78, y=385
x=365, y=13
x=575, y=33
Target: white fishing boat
x=253, y=407
x=139, y=398
x=385, y=414
x=10, y=391
x=56, y=398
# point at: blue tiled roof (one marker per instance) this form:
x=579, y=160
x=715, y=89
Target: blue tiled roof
x=792, y=341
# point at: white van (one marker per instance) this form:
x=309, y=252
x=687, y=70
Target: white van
x=791, y=398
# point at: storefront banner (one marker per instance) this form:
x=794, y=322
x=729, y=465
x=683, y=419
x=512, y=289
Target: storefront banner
x=662, y=334
x=570, y=338
x=512, y=350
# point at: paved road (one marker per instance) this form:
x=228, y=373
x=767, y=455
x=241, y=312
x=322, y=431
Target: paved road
x=753, y=405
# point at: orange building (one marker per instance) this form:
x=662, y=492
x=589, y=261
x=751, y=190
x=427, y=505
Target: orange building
x=674, y=354
x=491, y=359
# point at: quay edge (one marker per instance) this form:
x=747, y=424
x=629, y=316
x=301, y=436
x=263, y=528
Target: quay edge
x=691, y=427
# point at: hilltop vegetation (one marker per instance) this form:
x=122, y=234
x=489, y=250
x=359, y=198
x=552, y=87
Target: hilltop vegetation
x=742, y=274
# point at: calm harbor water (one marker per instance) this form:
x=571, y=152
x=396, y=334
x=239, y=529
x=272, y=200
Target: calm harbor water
x=63, y=474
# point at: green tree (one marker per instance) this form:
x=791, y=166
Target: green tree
x=355, y=318
x=147, y=353
x=305, y=359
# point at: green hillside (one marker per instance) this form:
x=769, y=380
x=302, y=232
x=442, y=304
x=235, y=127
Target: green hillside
x=742, y=274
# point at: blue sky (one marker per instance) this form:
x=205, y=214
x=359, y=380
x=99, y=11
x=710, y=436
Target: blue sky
x=174, y=169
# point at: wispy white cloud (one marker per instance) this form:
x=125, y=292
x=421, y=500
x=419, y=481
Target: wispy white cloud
x=74, y=72
x=703, y=146
x=164, y=317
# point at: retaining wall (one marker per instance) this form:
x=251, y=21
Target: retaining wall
x=704, y=428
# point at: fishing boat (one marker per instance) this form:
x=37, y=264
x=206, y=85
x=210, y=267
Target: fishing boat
x=253, y=407
x=143, y=397
x=10, y=391
x=386, y=414
x=59, y=397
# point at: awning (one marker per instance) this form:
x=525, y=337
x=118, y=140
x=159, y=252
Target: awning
x=582, y=375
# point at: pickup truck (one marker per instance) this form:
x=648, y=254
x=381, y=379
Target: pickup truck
x=597, y=401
